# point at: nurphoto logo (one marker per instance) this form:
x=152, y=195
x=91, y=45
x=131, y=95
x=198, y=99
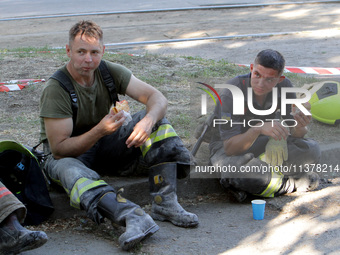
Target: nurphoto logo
x=239, y=107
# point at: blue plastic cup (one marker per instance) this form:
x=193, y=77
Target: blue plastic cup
x=258, y=208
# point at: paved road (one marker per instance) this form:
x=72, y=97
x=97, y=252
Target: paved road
x=315, y=45
x=293, y=225
x=11, y=9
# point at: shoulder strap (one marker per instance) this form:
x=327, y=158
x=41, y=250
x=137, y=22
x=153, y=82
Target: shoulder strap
x=108, y=80
x=66, y=84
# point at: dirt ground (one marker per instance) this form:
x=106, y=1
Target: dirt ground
x=317, y=44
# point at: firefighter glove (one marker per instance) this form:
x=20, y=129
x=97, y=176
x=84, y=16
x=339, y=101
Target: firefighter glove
x=276, y=152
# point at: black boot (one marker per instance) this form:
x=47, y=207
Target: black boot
x=307, y=181
x=14, y=238
x=165, y=206
x=123, y=212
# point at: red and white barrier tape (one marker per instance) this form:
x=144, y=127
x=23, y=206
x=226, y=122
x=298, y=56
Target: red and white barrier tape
x=14, y=85
x=313, y=70
x=310, y=70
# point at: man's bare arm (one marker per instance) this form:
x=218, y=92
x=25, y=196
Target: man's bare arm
x=59, y=133
x=156, y=107
x=238, y=144
x=300, y=130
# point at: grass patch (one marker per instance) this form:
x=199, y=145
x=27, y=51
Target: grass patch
x=174, y=76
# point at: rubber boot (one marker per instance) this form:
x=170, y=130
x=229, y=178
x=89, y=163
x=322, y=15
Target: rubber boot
x=165, y=206
x=123, y=212
x=303, y=182
x=14, y=238
x=307, y=181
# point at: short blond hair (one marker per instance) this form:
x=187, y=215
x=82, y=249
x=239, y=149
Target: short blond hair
x=87, y=28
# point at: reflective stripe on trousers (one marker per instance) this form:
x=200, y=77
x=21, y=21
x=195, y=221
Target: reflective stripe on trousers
x=4, y=192
x=9, y=204
x=163, y=132
x=80, y=187
x=274, y=185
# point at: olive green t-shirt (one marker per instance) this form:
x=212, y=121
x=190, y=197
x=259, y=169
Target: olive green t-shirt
x=93, y=102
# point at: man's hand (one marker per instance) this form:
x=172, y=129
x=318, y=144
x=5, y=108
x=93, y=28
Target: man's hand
x=63, y=144
x=276, y=152
x=301, y=119
x=274, y=130
x=156, y=105
x=300, y=130
x=110, y=123
x=141, y=132
x=240, y=143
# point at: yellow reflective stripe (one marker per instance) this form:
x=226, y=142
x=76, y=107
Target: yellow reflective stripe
x=274, y=185
x=163, y=132
x=81, y=186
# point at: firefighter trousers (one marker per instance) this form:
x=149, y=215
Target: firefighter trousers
x=249, y=173
x=80, y=177
x=9, y=204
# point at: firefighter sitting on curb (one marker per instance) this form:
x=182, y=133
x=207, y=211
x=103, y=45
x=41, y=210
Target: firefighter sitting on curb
x=96, y=140
x=246, y=146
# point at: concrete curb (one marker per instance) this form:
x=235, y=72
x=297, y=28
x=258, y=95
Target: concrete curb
x=136, y=189
x=330, y=154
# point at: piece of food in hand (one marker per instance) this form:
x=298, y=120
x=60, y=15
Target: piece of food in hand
x=296, y=110
x=120, y=106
